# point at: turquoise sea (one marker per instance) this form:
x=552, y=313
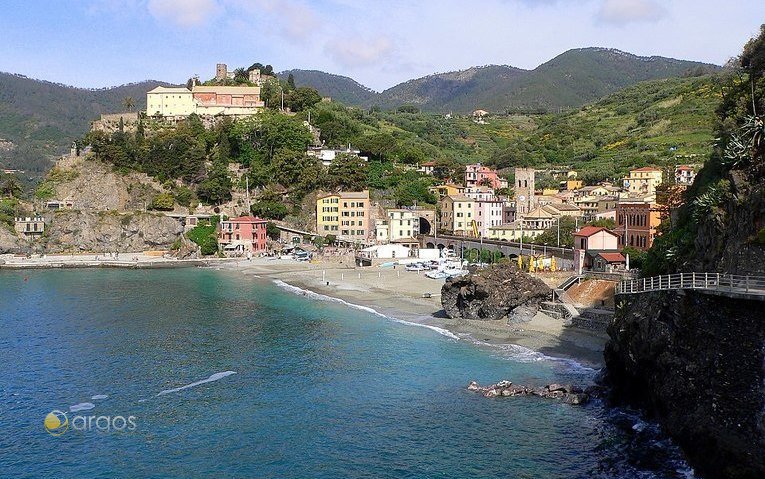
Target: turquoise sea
x=227, y=375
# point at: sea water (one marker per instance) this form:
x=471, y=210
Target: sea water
x=225, y=375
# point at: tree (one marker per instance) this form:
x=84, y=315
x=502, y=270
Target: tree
x=241, y=76
x=302, y=98
x=162, y=202
x=216, y=188
x=550, y=235
x=10, y=186
x=348, y=172
x=204, y=235
x=290, y=82
x=128, y=103
x=269, y=205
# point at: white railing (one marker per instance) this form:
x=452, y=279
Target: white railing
x=754, y=285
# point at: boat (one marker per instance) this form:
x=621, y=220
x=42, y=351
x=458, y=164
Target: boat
x=437, y=274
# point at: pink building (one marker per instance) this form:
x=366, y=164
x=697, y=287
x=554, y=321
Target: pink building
x=590, y=242
x=476, y=175
x=243, y=234
x=488, y=213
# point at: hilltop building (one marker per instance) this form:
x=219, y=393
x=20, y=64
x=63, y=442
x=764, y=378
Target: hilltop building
x=345, y=214
x=684, y=175
x=177, y=103
x=328, y=155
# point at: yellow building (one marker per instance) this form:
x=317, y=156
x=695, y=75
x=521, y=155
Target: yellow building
x=643, y=181
x=448, y=189
x=513, y=232
x=457, y=214
x=346, y=214
x=571, y=184
x=177, y=102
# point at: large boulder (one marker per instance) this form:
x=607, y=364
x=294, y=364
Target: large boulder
x=492, y=293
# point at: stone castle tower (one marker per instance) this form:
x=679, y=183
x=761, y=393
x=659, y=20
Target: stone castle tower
x=524, y=190
x=221, y=71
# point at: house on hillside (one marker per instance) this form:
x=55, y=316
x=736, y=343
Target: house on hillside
x=30, y=227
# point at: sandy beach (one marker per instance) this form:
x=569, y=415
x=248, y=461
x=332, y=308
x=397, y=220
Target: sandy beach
x=400, y=294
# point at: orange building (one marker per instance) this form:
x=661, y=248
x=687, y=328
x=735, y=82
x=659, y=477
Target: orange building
x=637, y=221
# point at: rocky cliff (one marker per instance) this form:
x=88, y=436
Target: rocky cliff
x=74, y=231
x=9, y=242
x=696, y=361
x=492, y=293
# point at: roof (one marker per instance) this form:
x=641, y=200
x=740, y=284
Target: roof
x=241, y=90
x=359, y=195
x=684, y=167
x=429, y=163
x=613, y=257
x=647, y=168
x=165, y=89
x=458, y=198
x=245, y=219
x=564, y=207
x=588, y=231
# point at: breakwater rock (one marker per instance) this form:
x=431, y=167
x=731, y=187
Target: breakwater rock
x=492, y=293
x=564, y=392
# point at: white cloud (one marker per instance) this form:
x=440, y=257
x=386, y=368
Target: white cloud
x=622, y=12
x=355, y=52
x=185, y=13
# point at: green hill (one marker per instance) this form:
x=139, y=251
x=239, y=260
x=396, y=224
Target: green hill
x=339, y=88
x=42, y=118
x=570, y=80
x=661, y=122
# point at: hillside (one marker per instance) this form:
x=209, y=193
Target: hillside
x=339, y=88
x=570, y=80
x=661, y=122
x=42, y=118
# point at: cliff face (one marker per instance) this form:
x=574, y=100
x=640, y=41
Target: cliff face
x=492, y=293
x=697, y=362
x=9, y=242
x=71, y=231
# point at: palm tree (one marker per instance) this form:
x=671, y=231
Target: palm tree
x=128, y=103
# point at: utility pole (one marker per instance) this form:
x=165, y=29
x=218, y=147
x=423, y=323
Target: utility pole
x=559, y=232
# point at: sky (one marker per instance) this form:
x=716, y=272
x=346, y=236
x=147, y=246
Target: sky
x=101, y=43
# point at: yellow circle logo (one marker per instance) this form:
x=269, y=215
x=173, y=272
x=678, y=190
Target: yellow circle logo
x=56, y=423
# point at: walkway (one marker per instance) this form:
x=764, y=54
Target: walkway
x=737, y=286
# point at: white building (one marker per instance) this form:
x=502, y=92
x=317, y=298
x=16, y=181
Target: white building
x=328, y=155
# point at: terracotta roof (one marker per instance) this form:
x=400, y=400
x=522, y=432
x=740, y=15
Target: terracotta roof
x=429, y=163
x=613, y=257
x=245, y=219
x=647, y=168
x=685, y=167
x=588, y=231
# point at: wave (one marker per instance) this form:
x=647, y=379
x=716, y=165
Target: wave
x=212, y=378
x=99, y=396
x=323, y=297
x=510, y=351
x=83, y=406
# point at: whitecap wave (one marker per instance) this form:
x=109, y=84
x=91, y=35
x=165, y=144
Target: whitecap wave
x=83, y=406
x=212, y=378
x=99, y=396
x=526, y=355
x=323, y=297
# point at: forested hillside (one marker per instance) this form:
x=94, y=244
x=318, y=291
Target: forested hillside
x=42, y=118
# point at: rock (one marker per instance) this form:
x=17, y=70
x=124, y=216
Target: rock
x=73, y=231
x=9, y=242
x=492, y=293
x=552, y=391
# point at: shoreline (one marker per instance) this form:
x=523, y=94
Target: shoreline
x=135, y=261
x=398, y=294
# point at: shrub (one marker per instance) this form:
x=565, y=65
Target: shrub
x=162, y=202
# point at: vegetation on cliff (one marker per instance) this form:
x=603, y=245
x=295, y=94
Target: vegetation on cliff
x=723, y=210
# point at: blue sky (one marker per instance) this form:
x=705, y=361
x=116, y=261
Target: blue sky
x=98, y=43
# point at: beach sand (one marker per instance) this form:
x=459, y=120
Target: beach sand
x=399, y=293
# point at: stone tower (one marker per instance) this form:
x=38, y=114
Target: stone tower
x=524, y=190
x=255, y=76
x=221, y=71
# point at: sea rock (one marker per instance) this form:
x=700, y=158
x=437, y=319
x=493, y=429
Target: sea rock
x=568, y=394
x=492, y=293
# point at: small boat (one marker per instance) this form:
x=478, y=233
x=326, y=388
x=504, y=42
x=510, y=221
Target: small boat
x=437, y=274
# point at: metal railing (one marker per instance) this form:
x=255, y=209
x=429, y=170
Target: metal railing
x=733, y=283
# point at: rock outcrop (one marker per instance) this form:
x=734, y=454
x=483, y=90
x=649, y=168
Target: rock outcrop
x=696, y=361
x=492, y=293
x=74, y=231
x=566, y=393
x=9, y=242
